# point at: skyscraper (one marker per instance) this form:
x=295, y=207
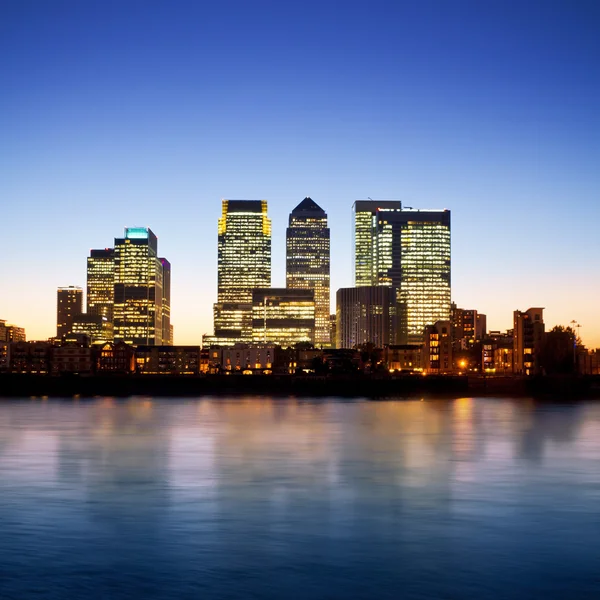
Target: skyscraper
x=69, y=302
x=138, y=288
x=101, y=283
x=167, y=336
x=307, y=260
x=413, y=255
x=365, y=239
x=365, y=314
x=244, y=263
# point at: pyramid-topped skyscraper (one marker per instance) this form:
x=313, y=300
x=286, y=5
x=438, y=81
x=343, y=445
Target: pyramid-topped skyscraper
x=307, y=260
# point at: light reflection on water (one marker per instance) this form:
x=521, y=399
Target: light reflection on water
x=261, y=498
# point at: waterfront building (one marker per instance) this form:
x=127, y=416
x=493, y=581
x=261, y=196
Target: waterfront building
x=138, y=288
x=243, y=358
x=527, y=341
x=436, y=357
x=115, y=358
x=365, y=239
x=497, y=352
x=29, y=357
x=468, y=327
x=167, y=360
x=101, y=283
x=96, y=327
x=69, y=302
x=308, y=260
x=244, y=263
x=365, y=315
x=71, y=358
x=283, y=316
x=403, y=358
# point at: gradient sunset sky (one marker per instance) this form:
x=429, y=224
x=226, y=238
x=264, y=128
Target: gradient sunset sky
x=126, y=113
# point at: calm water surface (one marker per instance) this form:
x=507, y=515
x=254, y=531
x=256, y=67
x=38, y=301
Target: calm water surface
x=259, y=498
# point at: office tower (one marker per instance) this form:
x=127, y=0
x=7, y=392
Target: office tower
x=244, y=263
x=69, y=302
x=138, y=293
x=101, y=283
x=528, y=336
x=166, y=302
x=97, y=328
x=365, y=315
x=283, y=316
x=413, y=255
x=365, y=238
x=307, y=260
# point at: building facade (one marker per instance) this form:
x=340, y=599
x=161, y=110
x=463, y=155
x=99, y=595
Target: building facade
x=244, y=263
x=365, y=239
x=413, y=255
x=365, y=315
x=437, y=349
x=468, y=327
x=69, y=302
x=101, y=283
x=283, y=316
x=138, y=288
x=96, y=327
x=528, y=337
x=167, y=330
x=308, y=260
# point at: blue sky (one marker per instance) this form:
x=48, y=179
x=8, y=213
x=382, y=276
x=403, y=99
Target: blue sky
x=117, y=114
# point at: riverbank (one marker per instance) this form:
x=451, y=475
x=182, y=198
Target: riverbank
x=22, y=385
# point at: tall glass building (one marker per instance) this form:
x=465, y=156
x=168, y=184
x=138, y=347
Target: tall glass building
x=138, y=288
x=413, y=255
x=167, y=330
x=69, y=302
x=101, y=283
x=365, y=238
x=244, y=263
x=308, y=259
x=283, y=316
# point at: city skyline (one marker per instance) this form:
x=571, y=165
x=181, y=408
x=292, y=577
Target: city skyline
x=485, y=110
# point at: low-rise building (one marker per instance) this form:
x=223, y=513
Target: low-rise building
x=117, y=358
x=403, y=358
x=71, y=358
x=29, y=357
x=167, y=360
x=436, y=357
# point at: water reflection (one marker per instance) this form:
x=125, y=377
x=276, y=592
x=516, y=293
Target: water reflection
x=299, y=498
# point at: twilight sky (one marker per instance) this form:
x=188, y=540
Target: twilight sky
x=124, y=113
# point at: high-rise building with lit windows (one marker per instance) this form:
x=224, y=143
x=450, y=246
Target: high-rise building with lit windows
x=69, y=302
x=138, y=288
x=413, y=255
x=365, y=239
x=307, y=260
x=101, y=283
x=244, y=263
x=283, y=316
x=167, y=333
x=365, y=315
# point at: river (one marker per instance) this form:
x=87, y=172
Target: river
x=299, y=499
